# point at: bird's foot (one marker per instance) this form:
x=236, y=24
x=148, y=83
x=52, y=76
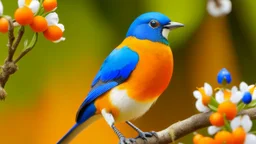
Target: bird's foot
x=124, y=140
x=145, y=135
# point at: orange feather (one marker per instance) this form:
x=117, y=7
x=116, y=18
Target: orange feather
x=150, y=77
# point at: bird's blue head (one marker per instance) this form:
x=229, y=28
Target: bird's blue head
x=152, y=26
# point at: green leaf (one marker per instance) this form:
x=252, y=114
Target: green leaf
x=241, y=106
x=33, y=41
x=26, y=43
x=212, y=107
x=213, y=102
x=227, y=125
x=252, y=104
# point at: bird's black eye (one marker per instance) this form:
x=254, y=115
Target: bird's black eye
x=154, y=23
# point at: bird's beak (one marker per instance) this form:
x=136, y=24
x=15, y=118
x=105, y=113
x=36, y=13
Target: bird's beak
x=173, y=25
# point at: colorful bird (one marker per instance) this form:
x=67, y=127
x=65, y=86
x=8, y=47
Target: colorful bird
x=131, y=78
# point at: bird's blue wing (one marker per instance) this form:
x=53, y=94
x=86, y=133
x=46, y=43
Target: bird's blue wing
x=116, y=68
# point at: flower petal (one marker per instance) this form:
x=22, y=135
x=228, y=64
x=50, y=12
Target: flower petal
x=250, y=139
x=236, y=122
x=208, y=89
x=236, y=97
x=197, y=94
x=254, y=94
x=224, y=8
x=59, y=40
x=21, y=3
x=212, y=9
x=219, y=96
x=234, y=89
x=52, y=19
x=1, y=8
x=55, y=9
x=61, y=26
x=34, y=6
x=243, y=87
x=213, y=129
x=246, y=123
x=200, y=107
x=250, y=87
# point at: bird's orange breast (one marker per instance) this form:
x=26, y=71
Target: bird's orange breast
x=153, y=71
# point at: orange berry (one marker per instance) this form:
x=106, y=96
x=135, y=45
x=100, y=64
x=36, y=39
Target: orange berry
x=239, y=135
x=205, y=98
x=206, y=140
x=217, y=119
x=4, y=24
x=228, y=108
x=223, y=137
x=53, y=33
x=197, y=138
x=39, y=24
x=49, y=5
x=24, y=16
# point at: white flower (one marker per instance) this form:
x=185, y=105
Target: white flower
x=1, y=8
x=250, y=88
x=222, y=8
x=206, y=91
x=245, y=88
x=246, y=123
x=213, y=129
x=34, y=5
x=250, y=139
x=53, y=19
x=254, y=94
x=235, y=96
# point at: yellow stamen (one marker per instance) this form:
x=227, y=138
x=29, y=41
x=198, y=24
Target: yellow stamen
x=217, y=89
x=252, y=89
x=27, y=2
x=205, y=98
x=227, y=94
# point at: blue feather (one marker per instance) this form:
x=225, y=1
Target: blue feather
x=140, y=27
x=67, y=134
x=90, y=111
x=115, y=70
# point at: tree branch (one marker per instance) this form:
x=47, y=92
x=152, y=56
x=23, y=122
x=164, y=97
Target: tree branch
x=187, y=126
x=9, y=66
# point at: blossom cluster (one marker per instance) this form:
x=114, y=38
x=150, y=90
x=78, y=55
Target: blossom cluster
x=218, y=8
x=39, y=16
x=227, y=126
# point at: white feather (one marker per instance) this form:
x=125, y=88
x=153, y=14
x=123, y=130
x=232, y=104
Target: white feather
x=128, y=108
x=165, y=32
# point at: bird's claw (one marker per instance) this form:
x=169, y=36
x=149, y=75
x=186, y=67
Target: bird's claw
x=124, y=140
x=145, y=135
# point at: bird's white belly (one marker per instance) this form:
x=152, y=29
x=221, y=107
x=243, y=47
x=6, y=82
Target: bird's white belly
x=128, y=108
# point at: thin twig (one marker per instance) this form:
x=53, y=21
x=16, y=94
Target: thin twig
x=187, y=126
x=17, y=41
x=28, y=49
x=11, y=39
x=23, y=53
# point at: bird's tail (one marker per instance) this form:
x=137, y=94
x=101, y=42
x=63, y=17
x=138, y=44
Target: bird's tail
x=76, y=129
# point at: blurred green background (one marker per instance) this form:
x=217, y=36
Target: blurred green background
x=53, y=79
